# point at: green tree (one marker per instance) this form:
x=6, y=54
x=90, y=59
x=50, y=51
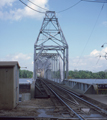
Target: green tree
x=87, y=75
x=25, y=74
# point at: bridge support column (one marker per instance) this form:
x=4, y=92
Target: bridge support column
x=64, y=64
x=34, y=72
x=67, y=63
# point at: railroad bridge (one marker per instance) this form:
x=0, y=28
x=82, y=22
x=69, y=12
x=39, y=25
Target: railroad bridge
x=50, y=81
x=51, y=74
x=51, y=50
x=51, y=57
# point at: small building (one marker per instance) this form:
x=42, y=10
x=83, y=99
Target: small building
x=9, y=84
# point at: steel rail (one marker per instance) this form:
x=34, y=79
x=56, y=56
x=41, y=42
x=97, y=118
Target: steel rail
x=73, y=99
x=68, y=100
x=63, y=101
x=102, y=110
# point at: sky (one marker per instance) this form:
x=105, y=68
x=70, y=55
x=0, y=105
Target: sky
x=84, y=27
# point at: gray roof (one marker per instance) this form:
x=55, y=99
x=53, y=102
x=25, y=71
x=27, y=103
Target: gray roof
x=9, y=63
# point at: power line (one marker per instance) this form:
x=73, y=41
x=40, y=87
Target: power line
x=98, y=59
x=38, y=5
x=99, y=1
x=91, y=33
x=31, y=7
x=69, y=7
x=47, y=9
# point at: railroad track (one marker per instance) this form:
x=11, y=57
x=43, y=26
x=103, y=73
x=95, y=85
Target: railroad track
x=77, y=107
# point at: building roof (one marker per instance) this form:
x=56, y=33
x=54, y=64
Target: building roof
x=9, y=63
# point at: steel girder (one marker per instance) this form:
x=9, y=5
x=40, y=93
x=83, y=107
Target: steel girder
x=49, y=44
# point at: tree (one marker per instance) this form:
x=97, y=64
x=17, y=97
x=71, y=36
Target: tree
x=87, y=75
x=25, y=74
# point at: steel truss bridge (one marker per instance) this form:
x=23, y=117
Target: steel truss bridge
x=51, y=50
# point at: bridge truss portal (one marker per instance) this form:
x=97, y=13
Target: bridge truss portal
x=51, y=50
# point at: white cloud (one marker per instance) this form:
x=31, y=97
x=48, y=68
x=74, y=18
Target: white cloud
x=97, y=53
x=94, y=62
x=25, y=60
x=6, y=2
x=18, y=13
x=91, y=62
x=17, y=57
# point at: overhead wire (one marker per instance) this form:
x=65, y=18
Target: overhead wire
x=98, y=59
x=31, y=7
x=105, y=53
x=38, y=5
x=91, y=33
x=98, y=1
x=47, y=9
x=69, y=7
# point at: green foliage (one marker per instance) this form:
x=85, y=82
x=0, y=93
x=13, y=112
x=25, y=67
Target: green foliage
x=87, y=75
x=72, y=74
x=25, y=74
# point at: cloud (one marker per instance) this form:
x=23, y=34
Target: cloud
x=92, y=62
x=6, y=2
x=19, y=56
x=97, y=53
x=24, y=60
x=15, y=13
x=95, y=61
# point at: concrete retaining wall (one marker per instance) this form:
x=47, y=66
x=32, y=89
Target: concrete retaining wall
x=24, y=88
